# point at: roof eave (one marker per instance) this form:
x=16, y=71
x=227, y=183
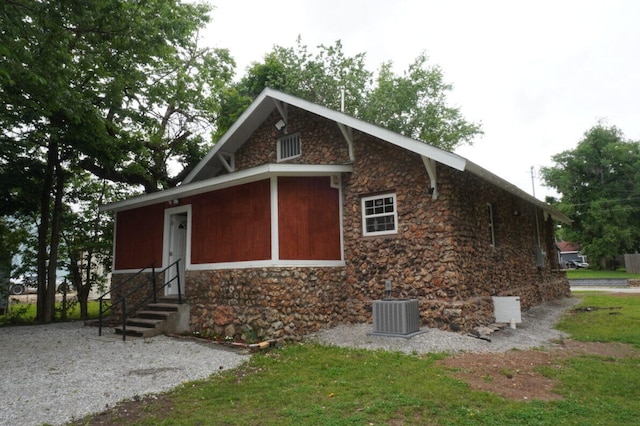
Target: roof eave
x=555, y=214
x=225, y=181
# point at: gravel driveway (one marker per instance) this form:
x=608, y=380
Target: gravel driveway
x=60, y=372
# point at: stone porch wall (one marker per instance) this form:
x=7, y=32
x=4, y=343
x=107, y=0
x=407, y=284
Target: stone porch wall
x=121, y=287
x=269, y=302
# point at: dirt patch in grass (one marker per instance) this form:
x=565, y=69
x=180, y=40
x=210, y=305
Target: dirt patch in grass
x=514, y=374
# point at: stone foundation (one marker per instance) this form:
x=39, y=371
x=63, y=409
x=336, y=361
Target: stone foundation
x=258, y=304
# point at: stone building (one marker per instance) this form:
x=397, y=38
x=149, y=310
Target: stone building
x=299, y=215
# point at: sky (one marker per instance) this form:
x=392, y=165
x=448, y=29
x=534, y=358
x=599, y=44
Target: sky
x=537, y=75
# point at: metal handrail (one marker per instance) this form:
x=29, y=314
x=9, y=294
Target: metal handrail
x=153, y=296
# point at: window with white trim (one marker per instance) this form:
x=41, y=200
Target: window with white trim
x=379, y=215
x=289, y=146
x=492, y=236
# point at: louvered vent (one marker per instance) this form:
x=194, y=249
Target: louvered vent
x=289, y=147
x=396, y=316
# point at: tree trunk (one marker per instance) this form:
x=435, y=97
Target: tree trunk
x=81, y=289
x=43, y=313
x=55, y=237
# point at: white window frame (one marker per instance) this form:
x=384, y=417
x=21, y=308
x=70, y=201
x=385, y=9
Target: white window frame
x=491, y=225
x=289, y=139
x=368, y=215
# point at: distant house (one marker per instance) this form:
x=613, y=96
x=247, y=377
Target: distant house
x=297, y=217
x=570, y=256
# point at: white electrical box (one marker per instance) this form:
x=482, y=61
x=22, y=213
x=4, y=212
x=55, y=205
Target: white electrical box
x=506, y=309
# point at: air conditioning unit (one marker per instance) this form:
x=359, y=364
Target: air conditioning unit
x=396, y=316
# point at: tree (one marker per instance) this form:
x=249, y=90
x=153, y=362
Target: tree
x=414, y=104
x=598, y=183
x=118, y=88
x=87, y=236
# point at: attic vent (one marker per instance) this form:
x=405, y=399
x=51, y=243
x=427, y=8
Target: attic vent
x=289, y=147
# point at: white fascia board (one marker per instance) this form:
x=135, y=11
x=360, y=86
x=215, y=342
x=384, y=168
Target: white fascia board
x=228, y=180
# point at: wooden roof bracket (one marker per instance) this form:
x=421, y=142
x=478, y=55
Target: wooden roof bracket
x=430, y=165
x=347, y=133
x=283, y=110
x=228, y=161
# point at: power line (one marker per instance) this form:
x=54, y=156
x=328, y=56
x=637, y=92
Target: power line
x=602, y=201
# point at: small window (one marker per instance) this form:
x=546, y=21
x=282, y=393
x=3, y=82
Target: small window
x=492, y=236
x=289, y=147
x=379, y=215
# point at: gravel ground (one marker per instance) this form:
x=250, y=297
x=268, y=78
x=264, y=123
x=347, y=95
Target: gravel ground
x=535, y=331
x=56, y=373
x=60, y=372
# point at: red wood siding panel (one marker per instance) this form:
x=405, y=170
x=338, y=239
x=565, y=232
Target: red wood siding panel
x=232, y=224
x=139, y=237
x=309, y=219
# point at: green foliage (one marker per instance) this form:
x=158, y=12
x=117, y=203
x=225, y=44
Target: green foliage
x=413, y=104
x=598, y=183
x=116, y=88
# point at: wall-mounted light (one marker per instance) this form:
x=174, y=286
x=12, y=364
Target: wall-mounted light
x=280, y=124
x=174, y=202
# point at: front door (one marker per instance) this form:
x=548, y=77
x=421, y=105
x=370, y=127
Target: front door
x=177, y=252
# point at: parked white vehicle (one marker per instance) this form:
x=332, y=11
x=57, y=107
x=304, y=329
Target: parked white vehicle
x=29, y=285
x=22, y=286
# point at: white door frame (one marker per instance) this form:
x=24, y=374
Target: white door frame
x=168, y=249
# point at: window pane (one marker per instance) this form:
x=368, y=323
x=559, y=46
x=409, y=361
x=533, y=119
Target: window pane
x=379, y=215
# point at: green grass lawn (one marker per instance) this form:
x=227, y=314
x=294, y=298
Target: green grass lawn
x=310, y=384
x=576, y=274
x=25, y=313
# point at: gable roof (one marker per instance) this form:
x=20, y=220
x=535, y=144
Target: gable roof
x=204, y=173
x=270, y=99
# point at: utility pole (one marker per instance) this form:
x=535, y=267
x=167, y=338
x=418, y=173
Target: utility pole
x=539, y=257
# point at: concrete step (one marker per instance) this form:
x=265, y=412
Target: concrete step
x=152, y=314
x=162, y=306
x=138, y=331
x=144, y=322
x=157, y=318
